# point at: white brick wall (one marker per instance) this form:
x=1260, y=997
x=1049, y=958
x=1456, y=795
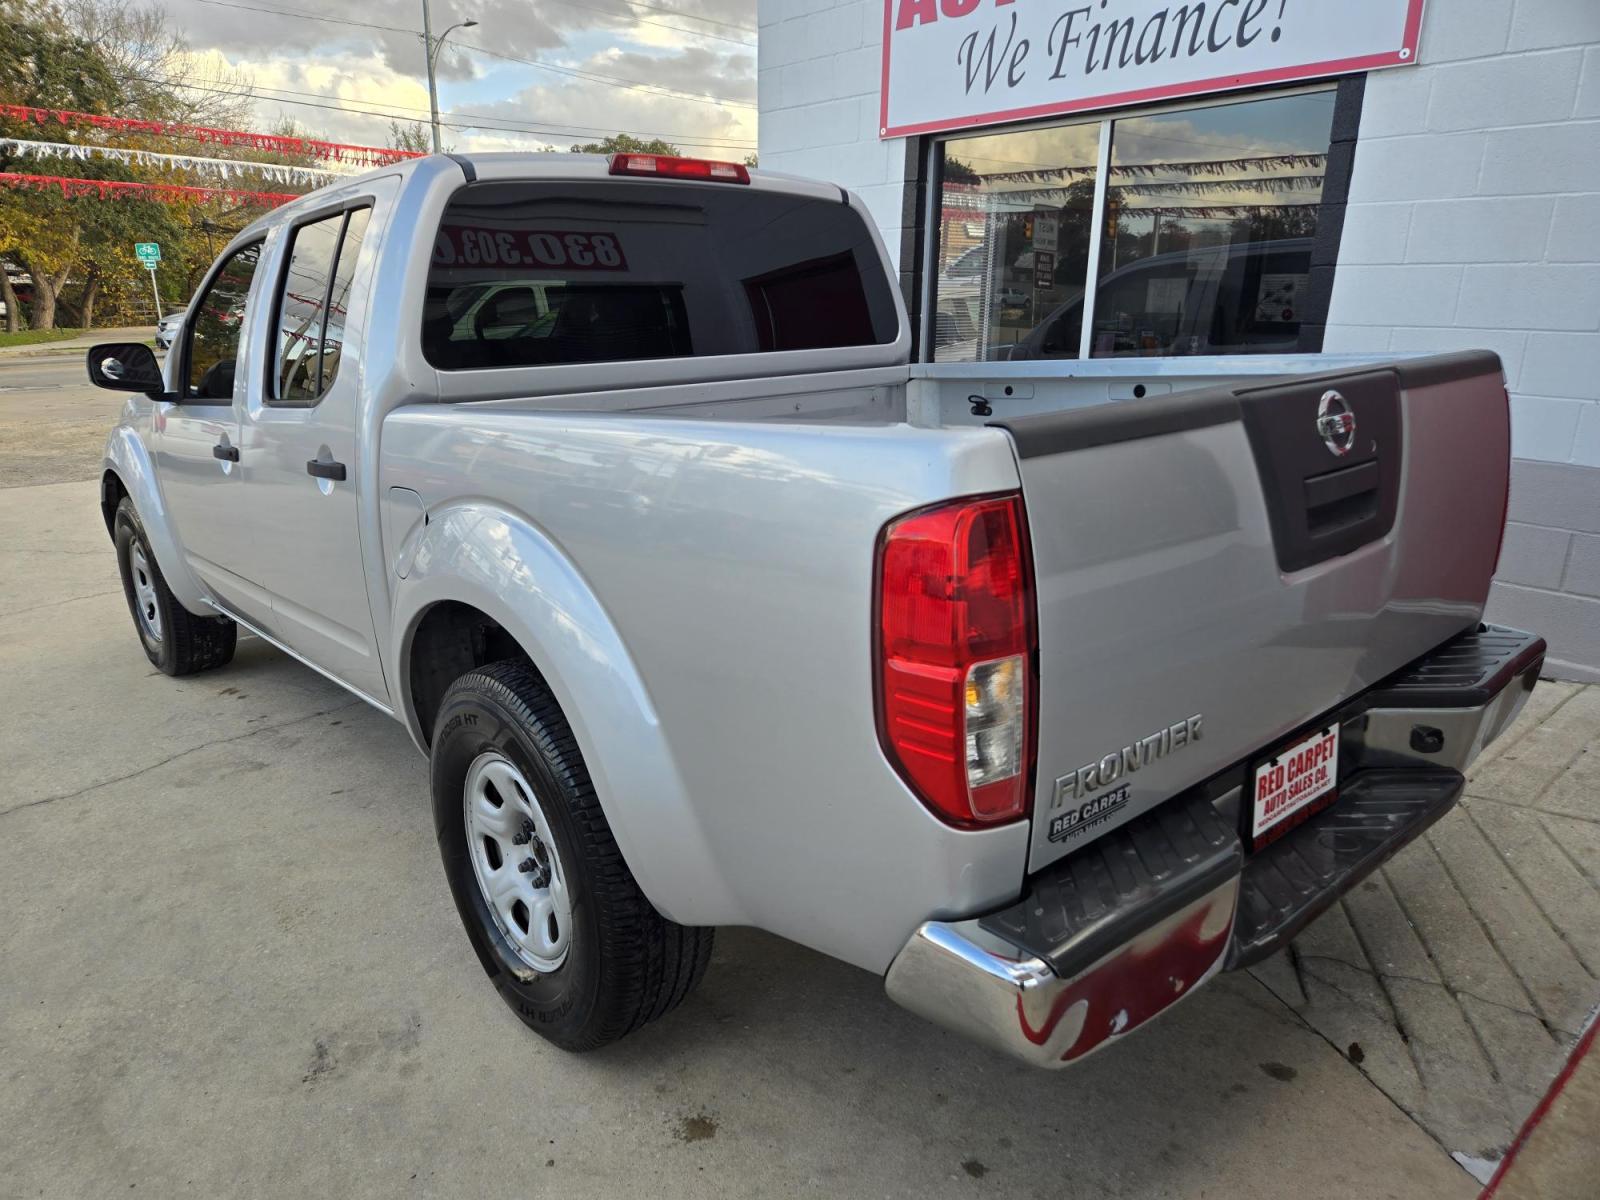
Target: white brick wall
x=818, y=65
x=1474, y=221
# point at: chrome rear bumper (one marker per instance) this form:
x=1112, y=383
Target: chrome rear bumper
x=1116, y=933
x=962, y=977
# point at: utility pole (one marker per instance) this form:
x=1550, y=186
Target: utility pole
x=433, y=86
x=430, y=46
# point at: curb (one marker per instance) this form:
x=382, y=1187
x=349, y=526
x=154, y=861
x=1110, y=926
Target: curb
x=57, y=349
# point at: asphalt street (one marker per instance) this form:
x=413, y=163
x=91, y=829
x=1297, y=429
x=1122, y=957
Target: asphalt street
x=53, y=422
x=231, y=967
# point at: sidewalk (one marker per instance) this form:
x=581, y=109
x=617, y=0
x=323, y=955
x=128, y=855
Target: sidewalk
x=1459, y=976
x=77, y=345
x=1555, y=1155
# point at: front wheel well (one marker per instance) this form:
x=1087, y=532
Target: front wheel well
x=451, y=639
x=111, y=494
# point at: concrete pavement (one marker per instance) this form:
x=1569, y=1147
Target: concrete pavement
x=232, y=967
x=53, y=421
x=1540, y=1164
x=1463, y=972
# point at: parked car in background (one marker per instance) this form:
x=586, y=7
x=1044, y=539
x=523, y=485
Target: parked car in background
x=710, y=608
x=167, y=329
x=1238, y=299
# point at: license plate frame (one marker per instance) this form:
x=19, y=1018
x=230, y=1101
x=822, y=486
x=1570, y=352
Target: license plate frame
x=1301, y=779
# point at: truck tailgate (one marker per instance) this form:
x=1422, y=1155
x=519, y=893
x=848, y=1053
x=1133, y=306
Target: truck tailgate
x=1218, y=567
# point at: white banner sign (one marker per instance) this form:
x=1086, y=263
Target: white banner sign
x=954, y=64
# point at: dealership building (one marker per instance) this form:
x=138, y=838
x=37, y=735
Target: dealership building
x=1144, y=178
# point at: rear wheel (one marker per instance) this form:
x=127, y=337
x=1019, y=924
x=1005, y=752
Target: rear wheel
x=550, y=906
x=175, y=640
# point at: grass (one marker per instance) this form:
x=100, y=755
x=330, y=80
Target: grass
x=29, y=337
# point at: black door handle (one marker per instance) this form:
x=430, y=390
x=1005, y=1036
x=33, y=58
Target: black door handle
x=325, y=470
x=226, y=453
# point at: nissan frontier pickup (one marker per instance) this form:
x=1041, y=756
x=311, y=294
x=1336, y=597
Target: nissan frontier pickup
x=1043, y=689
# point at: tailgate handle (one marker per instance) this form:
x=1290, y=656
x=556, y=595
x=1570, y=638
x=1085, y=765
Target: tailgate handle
x=1341, y=484
x=1341, y=499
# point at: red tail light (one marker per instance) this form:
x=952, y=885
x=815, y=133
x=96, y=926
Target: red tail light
x=664, y=166
x=955, y=658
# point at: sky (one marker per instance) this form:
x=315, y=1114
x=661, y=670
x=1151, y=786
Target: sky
x=532, y=74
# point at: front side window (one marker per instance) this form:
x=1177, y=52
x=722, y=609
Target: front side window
x=313, y=305
x=528, y=274
x=218, y=325
x=1206, y=229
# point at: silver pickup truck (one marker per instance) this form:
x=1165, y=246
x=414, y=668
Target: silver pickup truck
x=1043, y=689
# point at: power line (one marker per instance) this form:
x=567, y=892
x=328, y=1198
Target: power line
x=595, y=76
x=310, y=16
x=613, y=80
x=414, y=109
x=678, y=12
x=612, y=12
x=471, y=119
x=405, y=113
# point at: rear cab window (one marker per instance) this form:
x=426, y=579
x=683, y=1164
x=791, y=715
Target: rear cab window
x=545, y=272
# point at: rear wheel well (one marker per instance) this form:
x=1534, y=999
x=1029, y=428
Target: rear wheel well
x=111, y=494
x=451, y=639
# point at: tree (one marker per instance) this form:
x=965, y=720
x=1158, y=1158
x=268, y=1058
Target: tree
x=143, y=53
x=410, y=135
x=626, y=143
x=45, y=64
x=105, y=253
x=111, y=57
x=956, y=171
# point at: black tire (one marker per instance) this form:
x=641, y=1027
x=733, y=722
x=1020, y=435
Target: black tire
x=626, y=964
x=175, y=640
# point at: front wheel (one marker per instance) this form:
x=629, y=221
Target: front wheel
x=550, y=906
x=175, y=640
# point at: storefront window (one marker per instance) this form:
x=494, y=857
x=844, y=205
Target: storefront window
x=1205, y=231
x=1014, y=229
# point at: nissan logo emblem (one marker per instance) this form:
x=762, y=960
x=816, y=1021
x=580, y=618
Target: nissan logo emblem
x=1336, y=423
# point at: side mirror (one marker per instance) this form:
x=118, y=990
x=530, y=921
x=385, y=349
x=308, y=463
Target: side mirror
x=126, y=367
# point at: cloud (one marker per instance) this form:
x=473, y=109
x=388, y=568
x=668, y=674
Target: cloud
x=590, y=110
x=393, y=28
x=346, y=81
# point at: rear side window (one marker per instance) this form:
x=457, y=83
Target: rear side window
x=313, y=305
x=526, y=274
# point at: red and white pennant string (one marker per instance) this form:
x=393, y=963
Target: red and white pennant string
x=333, y=152
x=117, y=189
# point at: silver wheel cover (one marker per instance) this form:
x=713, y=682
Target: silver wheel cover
x=514, y=857
x=144, y=591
